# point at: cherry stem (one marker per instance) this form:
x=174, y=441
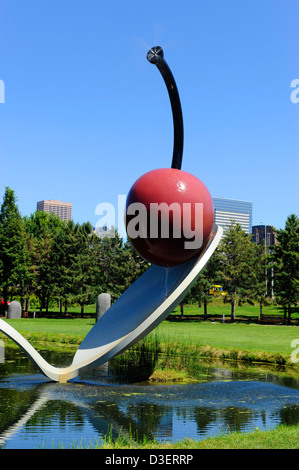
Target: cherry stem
x=156, y=56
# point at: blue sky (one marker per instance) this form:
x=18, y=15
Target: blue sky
x=85, y=114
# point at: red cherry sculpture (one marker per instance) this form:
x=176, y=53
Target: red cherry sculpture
x=168, y=186
x=174, y=208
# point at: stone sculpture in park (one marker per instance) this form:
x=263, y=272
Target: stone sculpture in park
x=14, y=310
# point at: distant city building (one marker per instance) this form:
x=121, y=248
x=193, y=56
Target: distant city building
x=228, y=210
x=259, y=232
x=104, y=231
x=62, y=209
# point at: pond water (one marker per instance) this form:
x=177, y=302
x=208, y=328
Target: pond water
x=36, y=413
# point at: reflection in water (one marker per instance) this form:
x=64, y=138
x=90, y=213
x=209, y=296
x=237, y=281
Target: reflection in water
x=35, y=413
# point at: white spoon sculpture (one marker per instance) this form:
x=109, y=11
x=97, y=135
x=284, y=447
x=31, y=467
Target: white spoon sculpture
x=145, y=304
x=148, y=301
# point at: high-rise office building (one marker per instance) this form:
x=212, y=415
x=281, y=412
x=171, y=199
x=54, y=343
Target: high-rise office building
x=62, y=209
x=228, y=210
x=260, y=231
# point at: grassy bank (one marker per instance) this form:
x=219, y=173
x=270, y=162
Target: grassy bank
x=282, y=437
x=270, y=343
x=237, y=341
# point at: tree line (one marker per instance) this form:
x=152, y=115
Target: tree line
x=250, y=274
x=44, y=257
x=58, y=261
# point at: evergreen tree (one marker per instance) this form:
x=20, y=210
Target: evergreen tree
x=59, y=264
x=111, y=265
x=258, y=286
x=66, y=264
x=41, y=229
x=83, y=290
x=286, y=265
x=236, y=265
x=136, y=265
x=13, y=256
x=208, y=277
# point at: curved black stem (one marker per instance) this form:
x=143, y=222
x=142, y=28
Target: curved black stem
x=156, y=56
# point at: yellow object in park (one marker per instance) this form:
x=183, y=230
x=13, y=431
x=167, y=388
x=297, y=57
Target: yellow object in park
x=216, y=290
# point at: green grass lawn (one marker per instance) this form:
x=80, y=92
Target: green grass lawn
x=78, y=327
x=253, y=337
x=217, y=308
x=241, y=336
